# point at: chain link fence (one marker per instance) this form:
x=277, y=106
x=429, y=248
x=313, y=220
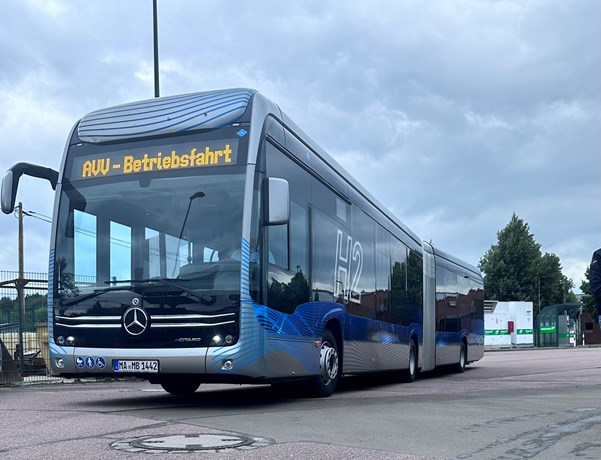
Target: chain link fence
x=24, y=352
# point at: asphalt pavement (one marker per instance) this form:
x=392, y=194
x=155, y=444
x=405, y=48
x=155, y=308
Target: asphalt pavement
x=514, y=404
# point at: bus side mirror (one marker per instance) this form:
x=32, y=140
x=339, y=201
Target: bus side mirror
x=278, y=206
x=9, y=193
x=10, y=182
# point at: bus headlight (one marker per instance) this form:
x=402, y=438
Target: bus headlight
x=70, y=340
x=60, y=340
x=219, y=340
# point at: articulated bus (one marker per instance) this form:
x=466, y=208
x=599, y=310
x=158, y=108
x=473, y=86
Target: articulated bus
x=206, y=238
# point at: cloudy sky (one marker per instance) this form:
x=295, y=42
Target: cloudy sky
x=454, y=114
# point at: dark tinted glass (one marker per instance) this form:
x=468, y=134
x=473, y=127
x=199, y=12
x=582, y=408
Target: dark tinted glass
x=414, y=287
x=362, y=301
x=398, y=281
x=326, y=235
x=287, y=248
x=383, y=274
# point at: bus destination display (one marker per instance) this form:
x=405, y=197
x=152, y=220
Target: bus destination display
x=166, y=158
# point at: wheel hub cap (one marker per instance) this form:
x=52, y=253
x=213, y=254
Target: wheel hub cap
x=328, y=363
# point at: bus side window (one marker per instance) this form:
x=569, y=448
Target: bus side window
x=329, y=280
x=362, y=295
x=278, y=245
x=287, y=244
x=398, y=282
x=383, y=252
x=415, y=286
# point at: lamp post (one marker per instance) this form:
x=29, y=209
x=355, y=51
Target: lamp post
x=155, y=26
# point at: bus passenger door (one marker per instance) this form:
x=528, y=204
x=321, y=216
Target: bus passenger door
x=429, y=326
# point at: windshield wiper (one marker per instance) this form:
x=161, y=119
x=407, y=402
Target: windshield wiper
x=91, y=295
x=198, y=296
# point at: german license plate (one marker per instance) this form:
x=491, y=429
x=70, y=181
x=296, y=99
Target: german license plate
x=129, y=365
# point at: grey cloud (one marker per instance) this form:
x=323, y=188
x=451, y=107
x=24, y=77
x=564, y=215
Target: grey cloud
x=454, y=114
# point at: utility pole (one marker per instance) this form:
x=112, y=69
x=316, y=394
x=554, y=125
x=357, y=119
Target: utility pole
x=20, y=285
x=155, y=25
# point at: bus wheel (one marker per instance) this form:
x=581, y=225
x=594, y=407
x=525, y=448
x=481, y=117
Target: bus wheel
x=460, y=366
x=324, y=384
x=408, y=375
x=180, y=387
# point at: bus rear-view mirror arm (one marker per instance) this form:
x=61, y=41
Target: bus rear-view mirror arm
x=10, y=182
x=278, y=208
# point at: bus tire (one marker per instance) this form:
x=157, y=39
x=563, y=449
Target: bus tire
x=180, y=387
x=459, y=367
x=408, y=375
x=324, y=384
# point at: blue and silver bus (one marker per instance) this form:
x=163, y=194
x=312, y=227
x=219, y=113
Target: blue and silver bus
x=206, y=238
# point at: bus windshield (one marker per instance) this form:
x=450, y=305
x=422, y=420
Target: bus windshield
x=176, y=229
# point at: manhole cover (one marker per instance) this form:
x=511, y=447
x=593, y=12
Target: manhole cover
x=158, y=444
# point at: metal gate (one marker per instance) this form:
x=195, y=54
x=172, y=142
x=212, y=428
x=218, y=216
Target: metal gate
x=24, y=354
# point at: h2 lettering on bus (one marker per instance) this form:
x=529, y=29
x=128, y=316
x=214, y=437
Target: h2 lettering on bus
x=348, y=268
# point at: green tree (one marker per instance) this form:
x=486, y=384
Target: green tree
x=515, y=269
x=569, y=286
x=555, y=288
x=36, y=310
x=6, y=303
x=587, y=298
x=511, y=266
x=9, y=310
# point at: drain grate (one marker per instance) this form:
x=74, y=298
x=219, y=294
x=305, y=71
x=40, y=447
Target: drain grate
x=182, y=443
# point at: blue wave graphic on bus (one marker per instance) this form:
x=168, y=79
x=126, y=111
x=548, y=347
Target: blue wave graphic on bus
x=56, y=351
x=258, y=322
x=279, y=323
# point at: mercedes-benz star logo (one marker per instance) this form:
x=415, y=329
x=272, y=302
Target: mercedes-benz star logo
x=135, y=320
